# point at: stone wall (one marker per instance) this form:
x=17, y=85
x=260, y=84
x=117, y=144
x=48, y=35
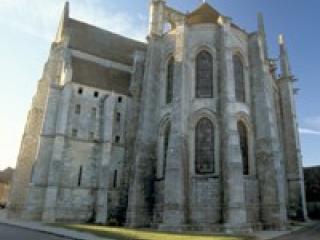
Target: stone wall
x=205, y=206
x=4, y=193
x=71, y=161
x=312, y=186
x=252, y=200
x=5, y=184
x=91, y=74
x=88, y=132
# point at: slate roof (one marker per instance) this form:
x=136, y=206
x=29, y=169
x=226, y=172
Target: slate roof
x=97, y=76
x=102, y=43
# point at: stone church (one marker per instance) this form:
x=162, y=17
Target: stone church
x=195, y=129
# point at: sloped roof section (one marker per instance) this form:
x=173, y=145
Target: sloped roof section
x=97, y=76
x=6, y=175
x=204, y=14
x=102, y=43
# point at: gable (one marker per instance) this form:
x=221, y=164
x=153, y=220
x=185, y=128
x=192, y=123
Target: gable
x=204, y=14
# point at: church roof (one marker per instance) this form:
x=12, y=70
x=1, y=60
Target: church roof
x=102, y=43
x=206, y=14
x=203, y=14
x=97, y=76
x=6, y=175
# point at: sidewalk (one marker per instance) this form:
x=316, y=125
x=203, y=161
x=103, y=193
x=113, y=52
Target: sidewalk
x=69, y=234
x=268, y=235
x=59, y=232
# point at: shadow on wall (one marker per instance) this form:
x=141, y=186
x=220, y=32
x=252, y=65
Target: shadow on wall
x=312, y=186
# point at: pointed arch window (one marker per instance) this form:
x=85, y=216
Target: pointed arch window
x=204, y=147
x=238, y=70
x=170, y=75
x=244, y=146
x=165, y=147
x=204, y=75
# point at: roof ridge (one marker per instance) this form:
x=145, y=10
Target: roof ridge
x=101, y=29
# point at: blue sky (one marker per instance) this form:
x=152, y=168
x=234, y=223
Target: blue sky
x=28, y=28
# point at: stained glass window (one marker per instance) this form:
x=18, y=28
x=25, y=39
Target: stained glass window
x=243, y=136
x=204, y=147
x=239, y=79
x=204, y=75
x=170, y=75
x=166, y=147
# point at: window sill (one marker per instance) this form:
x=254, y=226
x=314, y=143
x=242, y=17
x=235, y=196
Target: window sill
x=204, y=176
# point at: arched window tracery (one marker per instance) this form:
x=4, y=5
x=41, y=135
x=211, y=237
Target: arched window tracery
x=204, y=147
x=238, y=70
x=204, y=75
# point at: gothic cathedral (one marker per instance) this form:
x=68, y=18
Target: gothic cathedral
x=193, y=130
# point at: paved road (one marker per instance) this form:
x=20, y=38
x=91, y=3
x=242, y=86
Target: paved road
x=312, y=233
x=15, y=233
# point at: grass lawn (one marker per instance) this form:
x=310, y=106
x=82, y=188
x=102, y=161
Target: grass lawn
x=119, y=233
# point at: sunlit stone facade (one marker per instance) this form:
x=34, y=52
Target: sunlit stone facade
x=193, y=130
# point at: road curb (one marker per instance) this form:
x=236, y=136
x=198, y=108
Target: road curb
x=69, y=234
x=299, y=230
x=39, y=230
x=274, y=235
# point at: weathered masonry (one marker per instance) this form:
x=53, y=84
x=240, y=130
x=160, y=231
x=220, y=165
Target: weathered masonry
x=195, y=129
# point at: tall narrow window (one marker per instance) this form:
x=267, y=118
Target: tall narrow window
x=204, y=75
x=239, y=79
x=91, y=135
x=204, y=147
x=80, y=176
x=74, y=132
x=118, y=117
x=115, y=179
x=32, y=172
x=170, y=75
x=243, y=137
x=165, y=147
x=78, y=109
x=93, y=113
